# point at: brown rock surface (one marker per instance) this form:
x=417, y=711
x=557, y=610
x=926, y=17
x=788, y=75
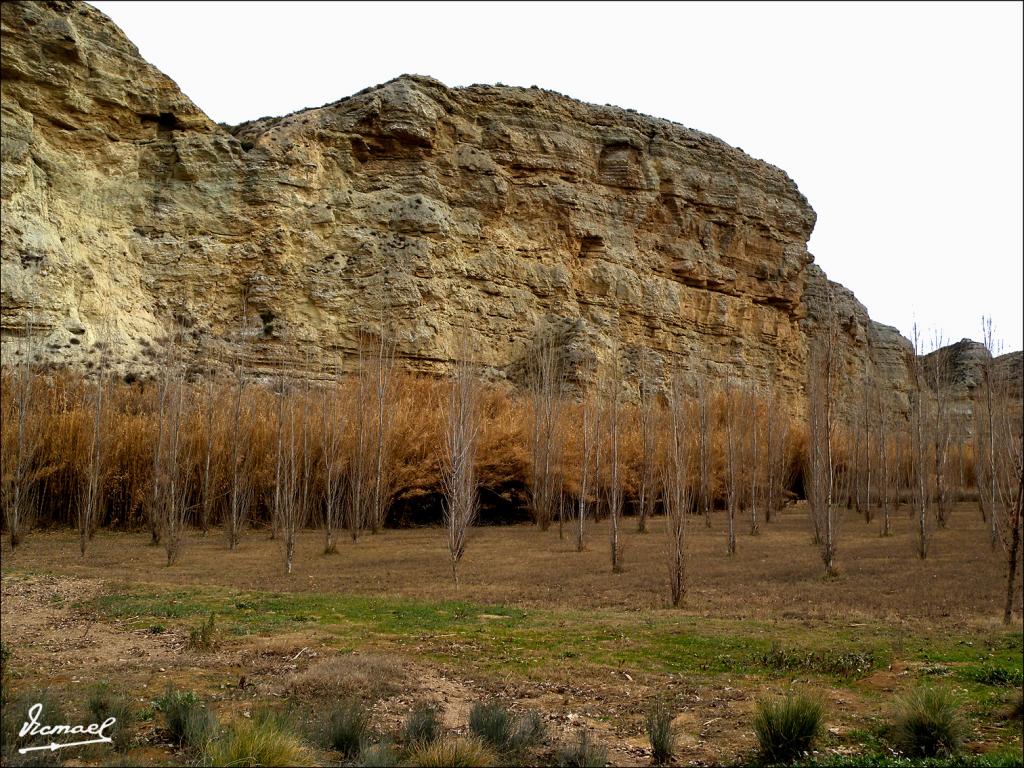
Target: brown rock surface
x=492, y=210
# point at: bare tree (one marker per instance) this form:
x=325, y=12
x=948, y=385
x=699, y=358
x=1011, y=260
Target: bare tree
x=209, y=482
x=884, y=453
x=459, y=476
x=589, y=438
x=985, y=408
x=754, y=465
x=333, y=427
x=937, y=373
x=296, y=465
x=776, y=445
x=704, y=457
x=383, y=375
x=547, y=394
x=91, y=500
x=1002, y=462
x=822, y=386
x=920, y=445
x=240, y=488
x=648, y=438
x=360, y=508
x=676, y=491
x=612, y=394
x=174, y=470
x=735, y=421
x=21, y=439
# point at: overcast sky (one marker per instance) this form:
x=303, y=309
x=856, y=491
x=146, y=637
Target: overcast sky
x=902, y=124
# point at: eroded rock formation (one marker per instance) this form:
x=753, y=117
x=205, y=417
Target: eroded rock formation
x=487, y=211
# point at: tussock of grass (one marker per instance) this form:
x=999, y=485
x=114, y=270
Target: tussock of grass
x=349, y=727
x=103, y=703
x=262, y=741
x=421, y=725
x=581, y=754
x=661, y=734
x=786, y=728
x=527, y=731
x=929, y=724
x=461, y=752
x=378, y=756
x=187, y=718
x=492, y=722
x=349, y=675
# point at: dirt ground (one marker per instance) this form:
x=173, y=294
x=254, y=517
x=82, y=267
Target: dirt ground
x=64, y=639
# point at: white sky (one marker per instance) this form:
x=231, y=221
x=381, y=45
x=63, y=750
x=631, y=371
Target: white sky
x=901, y=123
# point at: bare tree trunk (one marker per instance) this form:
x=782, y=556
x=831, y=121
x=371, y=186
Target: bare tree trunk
x=461, y=441
x=89, y=507
x=1013, y=550
x=821, y=400
x=293, y=436
x=206, y=508
x=920, y=455
x=613, y=393
x=175, y=467
x=676, y=485
x=383, y=396
x=332, y=420
x=547, y=391
x=589, y=435
x=648, y=400
x=19, y=384
x=753, y=413
x=733, y=420
x=705, y=449
x=241, y=466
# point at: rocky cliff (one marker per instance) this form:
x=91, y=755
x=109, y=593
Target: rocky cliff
x=487, y=212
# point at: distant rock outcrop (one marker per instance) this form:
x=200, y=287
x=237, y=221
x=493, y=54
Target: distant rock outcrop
x=492, y=211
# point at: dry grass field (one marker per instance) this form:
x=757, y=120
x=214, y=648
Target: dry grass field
x=533, y=624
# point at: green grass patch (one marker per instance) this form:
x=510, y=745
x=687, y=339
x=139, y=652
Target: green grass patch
x=531, y=643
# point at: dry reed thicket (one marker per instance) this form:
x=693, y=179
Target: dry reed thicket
x=383, y=447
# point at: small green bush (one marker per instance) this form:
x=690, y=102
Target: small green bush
x=661, y=734
x=421, y=725
x=468, y=752
x=839, y=663
x=187, y=718
x=204, y=636
x=349, y=727
x=995, y=676
x=261, y=741
x=491, y=722
x=786, y=728
x=928, y=724
x=582, y=754
x=381, y=755
x=105, y=702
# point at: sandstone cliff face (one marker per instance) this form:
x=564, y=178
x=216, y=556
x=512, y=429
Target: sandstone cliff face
x=491, y=212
